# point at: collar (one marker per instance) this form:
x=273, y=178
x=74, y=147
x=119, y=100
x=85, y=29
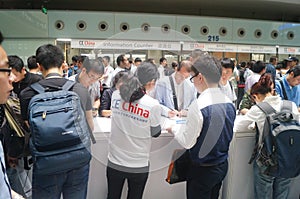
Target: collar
x=52, y=75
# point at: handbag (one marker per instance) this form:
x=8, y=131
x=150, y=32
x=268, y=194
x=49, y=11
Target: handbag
x=17, y=134
x=179, y=166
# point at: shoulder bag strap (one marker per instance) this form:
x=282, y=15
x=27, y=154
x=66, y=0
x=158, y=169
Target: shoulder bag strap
x=287, y=106
x=283, y=90
x=174, y=94
x=68, y=85
x=266, y=108
x=38, y=87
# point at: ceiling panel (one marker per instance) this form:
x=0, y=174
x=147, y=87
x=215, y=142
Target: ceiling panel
x=277, y=10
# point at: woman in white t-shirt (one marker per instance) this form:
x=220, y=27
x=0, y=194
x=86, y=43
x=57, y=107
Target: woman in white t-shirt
x=135, y=119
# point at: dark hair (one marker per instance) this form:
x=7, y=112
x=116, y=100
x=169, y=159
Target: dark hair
x=174, y=64
x=130, y=60
x=107, y=58
x=82, y=58
x=209, y=67
x=118, y=77
x=243, y=64
x=15, y=62
x=137, y=60
x=120, y=58
x=31, y=62
x=75, y=58
x=295, y=70
x=1, y=38
x=132, y=88
x=196, y=53
x=264, y=85
x=100, y=59
x=150, y=60
x=227, y=63
x=273, y=58
x=49, y=56
x=93, y=65
x=161, y=60
x=258, y=67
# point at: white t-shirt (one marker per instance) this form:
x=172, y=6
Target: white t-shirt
x=228, y=91
x=108, y=71
x=118, y=69
x=251, y=80
x=161, y=69
x=179, y=93
x=130, y=139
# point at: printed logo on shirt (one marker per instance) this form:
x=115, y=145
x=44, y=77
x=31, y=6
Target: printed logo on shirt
x=130, y=107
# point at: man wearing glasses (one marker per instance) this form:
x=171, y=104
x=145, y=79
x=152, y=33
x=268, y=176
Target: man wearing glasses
x=89, y=77
x=184, y=91
x=207, y=132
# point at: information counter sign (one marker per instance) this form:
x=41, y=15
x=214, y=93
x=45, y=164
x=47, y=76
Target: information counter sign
x=125, y=44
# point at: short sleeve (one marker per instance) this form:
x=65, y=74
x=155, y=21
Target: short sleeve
x=155, y=115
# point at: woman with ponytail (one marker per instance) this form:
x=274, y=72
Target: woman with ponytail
x=263, y=91
x=135, y=119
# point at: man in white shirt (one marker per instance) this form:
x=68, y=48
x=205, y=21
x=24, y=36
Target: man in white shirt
x=122, y=62
x=258, y=69
x=108, y=72
x=207, y=132
x=224, y=84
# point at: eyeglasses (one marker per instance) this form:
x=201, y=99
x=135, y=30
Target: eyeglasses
x=192, y=78
x=7, y=70
x=93, y=77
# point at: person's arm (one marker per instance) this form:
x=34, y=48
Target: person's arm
x=278, y=89
x=187, y=134
x=89, y=118
x=155, y=118
x=96, y=106
x=15, y=195
x=105, y=102
x=247, y=122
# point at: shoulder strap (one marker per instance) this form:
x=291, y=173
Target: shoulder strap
x=283, y=90
x=287, y=106
x=174, y=94
x=230, y=85
x=266, y=108
x=68, y=85
x=38, y=87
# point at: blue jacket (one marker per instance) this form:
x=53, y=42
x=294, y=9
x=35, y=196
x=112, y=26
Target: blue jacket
x=293, y=93
x=164, y=93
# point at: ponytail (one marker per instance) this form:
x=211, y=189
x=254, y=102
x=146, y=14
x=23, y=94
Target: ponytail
x=131, y=89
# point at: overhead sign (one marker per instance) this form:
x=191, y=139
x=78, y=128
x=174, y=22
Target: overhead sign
x=178, y=46
x=217, y=47
x=125, y=44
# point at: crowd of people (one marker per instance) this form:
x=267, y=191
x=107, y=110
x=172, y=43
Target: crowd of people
x=207, y=91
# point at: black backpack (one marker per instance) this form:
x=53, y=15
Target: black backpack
x=60, y=135
x=277, y=151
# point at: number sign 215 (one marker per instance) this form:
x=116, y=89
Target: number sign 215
x=213, y=37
